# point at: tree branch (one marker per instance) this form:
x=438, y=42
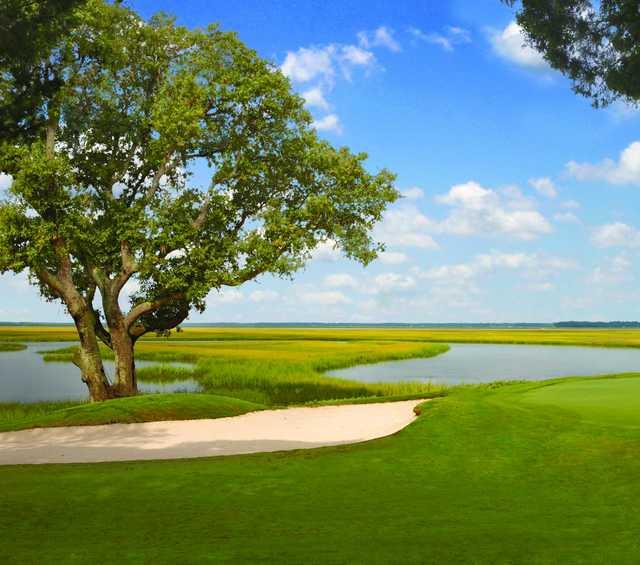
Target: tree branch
x=146, y=307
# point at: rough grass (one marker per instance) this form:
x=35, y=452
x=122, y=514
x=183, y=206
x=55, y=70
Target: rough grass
x=485, y=475
x=144, y=408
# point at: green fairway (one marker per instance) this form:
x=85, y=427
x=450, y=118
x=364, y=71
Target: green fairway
x=613, y=401
x=490, y=474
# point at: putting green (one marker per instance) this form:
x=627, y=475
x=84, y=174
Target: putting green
x=613, y=401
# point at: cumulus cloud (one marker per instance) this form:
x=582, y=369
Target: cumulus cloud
x=390, y=283
x=406, y=226
x=314, y=98
x=224, y=296
x=536, y=268
x=330, y=122
x=392, y=257
x=325, y=298
x=259, y=296
x=510, y=44
x=544, y=186
x=570, y=205
x=566, y=217
x=616, y=270
x=626, y=170
x=617, y=234
x=309, y=63
x=340, y=280
x=447, y=40
x=380, y=37
x=479, y=210
x=413, y=193
x=326, y=251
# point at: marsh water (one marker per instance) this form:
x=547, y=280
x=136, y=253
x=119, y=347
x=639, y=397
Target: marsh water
x=25, y=377
x=478, y=363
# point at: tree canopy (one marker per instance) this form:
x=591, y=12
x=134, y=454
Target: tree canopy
x=596, y=44
x=103, y=165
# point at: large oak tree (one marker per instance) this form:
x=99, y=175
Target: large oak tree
x=595, y=43
x=103, y=191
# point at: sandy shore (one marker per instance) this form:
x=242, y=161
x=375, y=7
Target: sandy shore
x=269, y=430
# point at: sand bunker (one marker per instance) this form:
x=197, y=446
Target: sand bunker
x=269, y=430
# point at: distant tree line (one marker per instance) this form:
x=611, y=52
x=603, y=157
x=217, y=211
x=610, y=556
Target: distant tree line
x=616, y=324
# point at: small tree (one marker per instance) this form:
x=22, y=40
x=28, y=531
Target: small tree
x=596, y=44
x=102, y=190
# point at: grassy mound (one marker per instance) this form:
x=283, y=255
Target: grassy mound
x=144, y=408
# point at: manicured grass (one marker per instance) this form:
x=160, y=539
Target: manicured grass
x=487, y=474
x=600, y=401
x=145, y=408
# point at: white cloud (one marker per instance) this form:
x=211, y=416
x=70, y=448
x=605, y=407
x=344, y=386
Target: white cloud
x=308, y=63
x=566, y=217
x=570, y=205
x=545, y=186
x=264, y=296
x=413, y=193
x=380, y=37
x=391, y=282
x=341, y=280
x=615, y=271
x=478, y=210
x=326, y=251
x=533, y=267
x=541, y=287
x=405, y=226
x=352, y=55
x=392, y=257
x=314, y=98
x=225, y=296
x=330, y=122
x=616, y=234
x=5, y=181
x=510, y=45
x=325, y=298
x=624, y=171
x=448, y=39
x=622, y=110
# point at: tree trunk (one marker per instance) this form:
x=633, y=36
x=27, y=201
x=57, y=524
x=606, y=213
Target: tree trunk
x=89, y=359
x=125, y=383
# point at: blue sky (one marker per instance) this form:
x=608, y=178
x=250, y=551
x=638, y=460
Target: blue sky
x=521, y=199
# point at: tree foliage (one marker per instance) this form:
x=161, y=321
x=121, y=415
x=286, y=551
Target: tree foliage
x=596, y=44
x=103, y=188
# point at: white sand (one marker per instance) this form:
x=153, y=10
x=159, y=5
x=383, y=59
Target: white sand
x=269, y=430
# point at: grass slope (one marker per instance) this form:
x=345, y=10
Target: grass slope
x=146, y=408
x=506, y=474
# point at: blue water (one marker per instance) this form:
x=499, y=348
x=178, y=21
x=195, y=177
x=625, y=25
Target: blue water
x=479, y=363
x=25, y=377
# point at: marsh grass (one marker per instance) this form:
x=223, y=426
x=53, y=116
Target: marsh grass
x=9, y=346
x=275, y=373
